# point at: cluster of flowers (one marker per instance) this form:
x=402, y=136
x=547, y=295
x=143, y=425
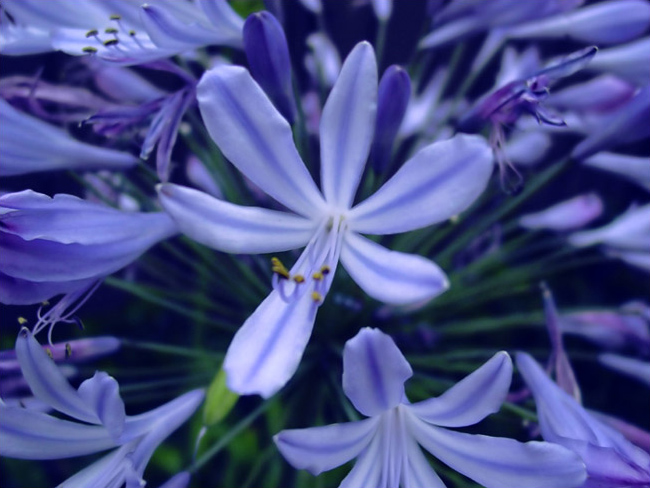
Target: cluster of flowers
x=327, y=152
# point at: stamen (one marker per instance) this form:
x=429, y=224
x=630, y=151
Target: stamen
x=318, y=276
x=22, y=320
x=316, y=297
x=115, y=17
x=325, y=269
x=92, y=33
x=89, y=50
x=110, y=42
x=49, y=353
x=68, y=350
x=278, y=268
x=299, y=278
x=111, y=30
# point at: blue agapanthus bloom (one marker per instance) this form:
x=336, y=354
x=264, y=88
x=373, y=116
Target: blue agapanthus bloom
x=374, y=372
x=437, y=183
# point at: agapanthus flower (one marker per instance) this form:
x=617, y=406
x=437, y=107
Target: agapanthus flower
x=67, y=245
x=30, y=145
x=611, y=460
x=386, y=443
x=101, y=422
x=120, y=31
x=438, y=182
x=633, y=168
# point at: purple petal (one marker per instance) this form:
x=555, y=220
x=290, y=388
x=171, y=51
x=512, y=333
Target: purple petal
x=266, y=350
x=26, y=434
x=233, y=228
x=567, y=215
x=180, y=480
x=46, y=381
x=609, y=22
x=472, y=399
x=367, y=471
x=14, y=291
x=604, y=93
x=495, y=462
x=562, y=420
x=634, y=168
x=417, y=472
x=30, y=145
x=389, y=276
x=630, y=61
x=102, y=394
x=256, y=138
x=319, y=449
x=347, y=126
x=440, y=181
x=374, y=372
x=632, y=367
x=629, y=231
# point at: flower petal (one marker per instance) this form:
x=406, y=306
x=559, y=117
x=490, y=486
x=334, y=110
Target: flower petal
x=390, y=276
x=256, y=138
x=417, y=472
x=437, y=183
x=567, y=215
x=367, y=471
x=632, y=367
x=495, y=462
x=102, y=394
x=267, y=349
x=634, y=168
x=472, y=399
x=48, y=383
x=319, y=449
x=14, y=291
x=347, y=126
x=233, y=228
x=27, y=434
x=374, y=372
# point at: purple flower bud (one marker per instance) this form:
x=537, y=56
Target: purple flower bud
x=268, y=57
x=392, y=100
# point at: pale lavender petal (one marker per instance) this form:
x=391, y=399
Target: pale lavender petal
x=102, y=394
x=199, y=175
x=30, y=145
x=638, y=259
x=472, y=399
x=374, y=372
x=567, y=215
x=256, y=138
x=223, y=18
x=382, y=9
x=267, y=349
x=630, y=61
x=634, y=168
x=367, y=471
x=325, y=63
x=109, y=471
x=440, y=181
x=389, y=276
x=602, y=94
x=527, y=148
x=448, y=32
x=602, y=23
x=417, y=472
x=46, y=381
x=632, y=367
x=180, y=480
x=629, y=231
x=319, y=449
x=233, y=228
x=347, y=126
x=496, y=462
x=169, y=32
x=27, y=434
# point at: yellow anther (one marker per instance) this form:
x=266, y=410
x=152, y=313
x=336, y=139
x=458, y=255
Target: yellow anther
x=115, y=17
x=318, y=276
x=110, y=42
x=132, y=33
x=279, y=268
x=68, y=350
x=92, y=33
x=89, y=50
x=299, y=278
x=111, y=30
x=22, y=320
x=454, y=219
x=317, y=297
x=325, y=269
x=49, y=353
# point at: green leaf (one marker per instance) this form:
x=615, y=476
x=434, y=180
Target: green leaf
x=219, y=400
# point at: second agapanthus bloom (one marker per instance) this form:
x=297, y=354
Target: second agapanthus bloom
x=440, y=181
x=386, y=443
